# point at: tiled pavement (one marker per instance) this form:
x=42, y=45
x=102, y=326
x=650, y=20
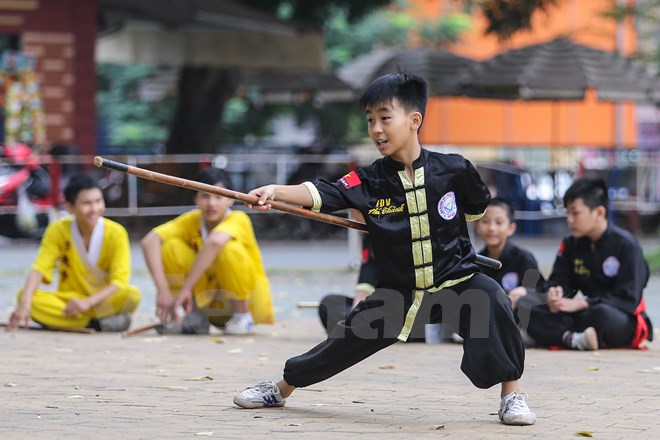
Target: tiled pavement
x=57, y=385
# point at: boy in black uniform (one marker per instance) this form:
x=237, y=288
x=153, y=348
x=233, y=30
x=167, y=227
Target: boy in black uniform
x=519, y=273
x=606, y=264
x=415, y=204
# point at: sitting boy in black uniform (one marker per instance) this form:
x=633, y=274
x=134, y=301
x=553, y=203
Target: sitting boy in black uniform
x=416, y=205
x=519, y=275
x=606, y=264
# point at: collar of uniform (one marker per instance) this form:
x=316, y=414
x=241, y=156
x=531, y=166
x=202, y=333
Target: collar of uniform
x=505, y=251
x=392, y=165
x=586, y=241
x=603, y=237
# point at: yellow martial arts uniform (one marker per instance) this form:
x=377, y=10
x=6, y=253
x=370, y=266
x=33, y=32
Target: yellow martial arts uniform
x=236, y=273
x=82, y=274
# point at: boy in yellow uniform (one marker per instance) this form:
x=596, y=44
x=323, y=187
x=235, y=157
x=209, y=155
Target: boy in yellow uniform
x=94, y=261
x=208, y=262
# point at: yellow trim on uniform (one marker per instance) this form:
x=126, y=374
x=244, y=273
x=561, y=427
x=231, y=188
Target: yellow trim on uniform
x=407, y=184
x=316, y=196
x=410, y=316
x=450, y=283
x=422, y=251
x=474, y=217
x=417, y=302
x=365, y=287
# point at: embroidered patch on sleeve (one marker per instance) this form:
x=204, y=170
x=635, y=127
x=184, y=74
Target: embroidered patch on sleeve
x=350, y=180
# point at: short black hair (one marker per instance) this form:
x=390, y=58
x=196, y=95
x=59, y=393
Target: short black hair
x=79, y=182
x=504, y=204
x=409, y=90
x=211, y=176
x=592, y=190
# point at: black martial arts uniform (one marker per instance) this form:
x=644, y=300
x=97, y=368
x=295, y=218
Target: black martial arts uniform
x=611, y=273
x=519, y=268
x=426, y=266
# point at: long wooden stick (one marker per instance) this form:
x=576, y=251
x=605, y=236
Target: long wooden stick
x=248, y=199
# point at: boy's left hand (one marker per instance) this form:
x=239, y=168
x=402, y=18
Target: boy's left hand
x=76, y=306
x=264, y=193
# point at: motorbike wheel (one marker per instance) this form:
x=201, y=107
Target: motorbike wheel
x=9, y=229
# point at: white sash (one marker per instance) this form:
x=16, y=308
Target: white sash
x=89, y=257
x=205, y=231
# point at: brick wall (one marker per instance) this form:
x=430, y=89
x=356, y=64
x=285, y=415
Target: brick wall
x=61, y=35
x=54, y=52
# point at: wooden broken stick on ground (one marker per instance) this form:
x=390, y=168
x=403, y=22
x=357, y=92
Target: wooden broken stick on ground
x=53, y=329
x=138, y=330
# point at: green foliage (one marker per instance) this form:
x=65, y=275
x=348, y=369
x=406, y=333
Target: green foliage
x=447, y=29
x=315, y=11
x=653, y=260
x=345, y=41
x=131, y=121
x=385, y=28
x=646, y=15
x=242, y=119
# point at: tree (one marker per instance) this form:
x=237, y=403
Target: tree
x=132, y=121
x=197, y=122
x=391, y=27
x=316, y=12
x=507, y=17
x=196, y=126
x=647, y=16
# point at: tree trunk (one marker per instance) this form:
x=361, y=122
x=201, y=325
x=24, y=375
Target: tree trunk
x=196, y=127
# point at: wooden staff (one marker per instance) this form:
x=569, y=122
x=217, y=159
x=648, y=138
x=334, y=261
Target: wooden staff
x=248, y=199
x=137, y=331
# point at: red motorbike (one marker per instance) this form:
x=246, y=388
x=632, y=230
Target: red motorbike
x=25, y=193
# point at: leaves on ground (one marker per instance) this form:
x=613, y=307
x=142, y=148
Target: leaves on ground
x=200, y=378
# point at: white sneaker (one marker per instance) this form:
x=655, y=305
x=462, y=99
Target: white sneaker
x=583, y=341
x=514, y=410
x=265, y=394
x=240, y=325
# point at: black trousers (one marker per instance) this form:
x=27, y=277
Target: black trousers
x=478, y=309
x=614, y=327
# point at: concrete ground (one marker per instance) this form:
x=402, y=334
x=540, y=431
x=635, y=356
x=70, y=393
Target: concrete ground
x=58, y=385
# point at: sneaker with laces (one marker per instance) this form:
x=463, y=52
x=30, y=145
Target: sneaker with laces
x=514, y=410
x=263, y=395
x=583, y=341
x=242, y=324
x=115, y=323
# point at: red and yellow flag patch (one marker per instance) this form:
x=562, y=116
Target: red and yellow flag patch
x=350, y=180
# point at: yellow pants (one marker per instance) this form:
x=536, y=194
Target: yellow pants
x=48, y=307
x=231, y=276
